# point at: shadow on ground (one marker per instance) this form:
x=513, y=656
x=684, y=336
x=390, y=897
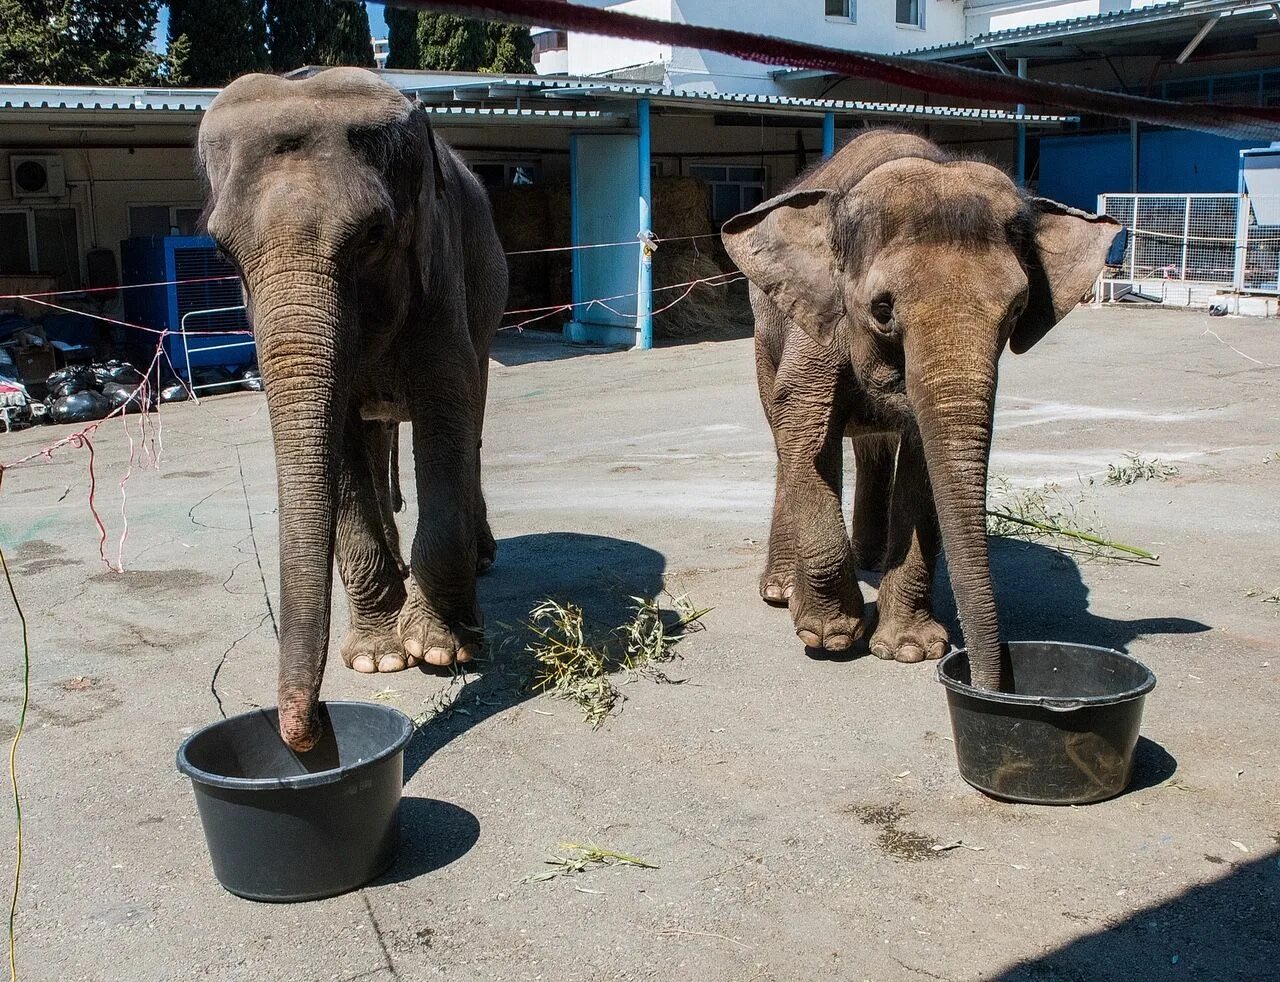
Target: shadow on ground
x=598, y=573
x=1042, y=597
x=511, y=348
x=1226, y=929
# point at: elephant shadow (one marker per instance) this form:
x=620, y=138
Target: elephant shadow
x=598, y=573
x=1042, y=597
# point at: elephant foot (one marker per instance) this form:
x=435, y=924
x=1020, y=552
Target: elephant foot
x=369, y=649
x=777, y=585
x=776, y=588
x=910, y=636
x=831, y=623
x=425, y=637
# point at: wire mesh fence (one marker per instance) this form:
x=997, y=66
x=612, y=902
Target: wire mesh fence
x=1209, y=243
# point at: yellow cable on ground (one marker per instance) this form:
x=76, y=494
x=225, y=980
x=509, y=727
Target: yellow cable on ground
x=13, y=766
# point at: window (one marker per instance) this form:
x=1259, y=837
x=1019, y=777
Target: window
x=549, y=41
x=842, y=9
x=164, y=220
x=911, y=13
x=733, y=189
x=497, y=174
x=44, y=241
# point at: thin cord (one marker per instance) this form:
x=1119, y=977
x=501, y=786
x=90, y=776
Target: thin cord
x=13, y=766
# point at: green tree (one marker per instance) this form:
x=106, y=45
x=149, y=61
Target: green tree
x=347, y=40
x=213, y=41
x=78, y=42
x=458, y=44
x=451, y=44
x=293, y=32
x=402, y=37
x=317, y=32
x=510, y=50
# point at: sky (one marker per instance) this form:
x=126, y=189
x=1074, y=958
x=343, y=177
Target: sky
x=377, y=24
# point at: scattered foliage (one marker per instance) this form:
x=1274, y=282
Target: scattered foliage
x=584, y=857
x=575, y=658
x=1136, y=468
x=1052, y=515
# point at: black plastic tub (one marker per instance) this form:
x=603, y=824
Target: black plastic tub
x=1064, y=735
x=283, y=826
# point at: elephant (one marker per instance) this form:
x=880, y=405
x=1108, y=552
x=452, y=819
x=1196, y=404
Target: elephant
x=375, y=283
x=885, y=285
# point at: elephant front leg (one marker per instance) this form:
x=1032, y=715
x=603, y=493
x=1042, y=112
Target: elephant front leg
x=779, y=580
x=370, y=566
x=907, y=630
x=440, y=623
x=873, y=484
x=826, y=602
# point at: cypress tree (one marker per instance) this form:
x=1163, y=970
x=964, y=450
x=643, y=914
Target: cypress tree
x=347, y=39
x=451, y=44
x=78, y=42
x=402, y=37
x=213, y=41
x=510, y=50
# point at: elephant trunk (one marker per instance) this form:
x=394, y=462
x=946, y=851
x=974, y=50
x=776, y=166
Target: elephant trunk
x=954, y=398
x=300, y=319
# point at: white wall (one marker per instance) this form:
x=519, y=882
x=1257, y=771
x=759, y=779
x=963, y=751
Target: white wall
x=982, y=16
x=872, y=29
x=591, y=55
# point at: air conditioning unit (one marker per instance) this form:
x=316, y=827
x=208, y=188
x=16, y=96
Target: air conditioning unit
x=37, y=177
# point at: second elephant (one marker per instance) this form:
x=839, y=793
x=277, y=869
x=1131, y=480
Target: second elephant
x=885, y=285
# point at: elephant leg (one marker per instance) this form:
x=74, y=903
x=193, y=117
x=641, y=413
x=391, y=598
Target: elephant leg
x=810, y=413
x=907, y=630
x=486, y=544
x=440, y=622
x=777, y=582
x=383, y=453
x=779, y=578
x=873, y=484
x=368, y=562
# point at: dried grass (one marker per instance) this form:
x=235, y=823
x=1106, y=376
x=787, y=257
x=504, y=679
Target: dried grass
x=576, y=659
x=583, y=858
x=1056, y=517
x=1136, y=468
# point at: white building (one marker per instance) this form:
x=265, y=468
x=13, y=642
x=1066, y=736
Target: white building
x=381, y=48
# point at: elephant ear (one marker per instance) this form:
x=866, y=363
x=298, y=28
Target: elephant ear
x=784, y=248
x=1068, y=251
x=431, y=187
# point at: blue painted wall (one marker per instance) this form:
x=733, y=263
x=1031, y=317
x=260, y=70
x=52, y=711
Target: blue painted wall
x=605, y=187
x=1076, y=169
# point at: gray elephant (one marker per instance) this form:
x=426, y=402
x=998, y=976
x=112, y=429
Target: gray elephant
x=375, y=281
x=885, y=284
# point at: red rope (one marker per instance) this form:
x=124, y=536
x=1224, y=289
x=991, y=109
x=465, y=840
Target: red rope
x=925, y=76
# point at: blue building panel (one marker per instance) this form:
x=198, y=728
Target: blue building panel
x=1076, y=169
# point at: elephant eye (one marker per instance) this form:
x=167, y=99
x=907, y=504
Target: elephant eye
x=882, y=309
x=376, y=234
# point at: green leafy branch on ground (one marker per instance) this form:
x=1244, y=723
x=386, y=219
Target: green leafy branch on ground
x=582, y=858
x=1136, y=468
x=576, y=659
x=1052, y=515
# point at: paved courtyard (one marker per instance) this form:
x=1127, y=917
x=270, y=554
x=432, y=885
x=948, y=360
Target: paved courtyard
x=790, y=803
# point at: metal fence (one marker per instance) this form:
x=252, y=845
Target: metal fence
x=1199, y=245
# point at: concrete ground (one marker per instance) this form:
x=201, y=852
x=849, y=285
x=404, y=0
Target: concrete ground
x=789, y=802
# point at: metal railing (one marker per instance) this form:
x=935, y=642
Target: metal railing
x=186, y=347
x=1206, y=244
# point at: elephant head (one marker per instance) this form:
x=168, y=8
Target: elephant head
x=321, y=194
x=924, y=268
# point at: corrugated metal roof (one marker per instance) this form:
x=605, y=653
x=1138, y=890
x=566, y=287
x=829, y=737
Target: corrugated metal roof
x=75, y=98
x=508, y=87
x=1173, y=10
x=117, y=98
